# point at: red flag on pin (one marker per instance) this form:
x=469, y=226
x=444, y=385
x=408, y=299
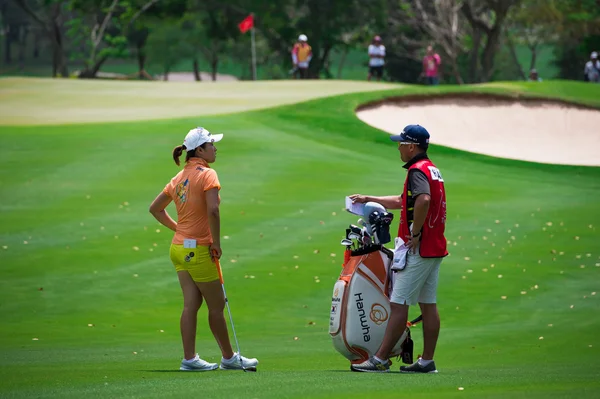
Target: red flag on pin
x=246, y=24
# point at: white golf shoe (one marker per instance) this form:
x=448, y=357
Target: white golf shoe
x=197, y=364
x=235, y=363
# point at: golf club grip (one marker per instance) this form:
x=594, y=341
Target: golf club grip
x=415, y=321
x=218, y=265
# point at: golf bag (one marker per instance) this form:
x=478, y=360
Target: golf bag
x=360, y=306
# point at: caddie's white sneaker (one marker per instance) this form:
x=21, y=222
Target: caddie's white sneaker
x=197, y=364
x=371, y=365
x=235, y=363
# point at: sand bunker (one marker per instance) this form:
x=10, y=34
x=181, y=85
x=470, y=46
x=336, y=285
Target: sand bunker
x=545, y=132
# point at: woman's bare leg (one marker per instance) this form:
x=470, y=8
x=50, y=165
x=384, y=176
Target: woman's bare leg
x=215, y=300
x=192, y=300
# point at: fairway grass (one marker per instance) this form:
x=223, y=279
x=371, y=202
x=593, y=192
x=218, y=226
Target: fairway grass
x=36, y=101
x=89, y=302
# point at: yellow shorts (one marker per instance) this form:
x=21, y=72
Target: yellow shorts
x=196, y=261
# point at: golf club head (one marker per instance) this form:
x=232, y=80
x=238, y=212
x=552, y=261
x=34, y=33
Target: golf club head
x=355, y=229
x=249, y=369
x=362, y=222
x=346, y=242
x=354, y=236
x=386, y=218
x=374, y=217
x=366, y=237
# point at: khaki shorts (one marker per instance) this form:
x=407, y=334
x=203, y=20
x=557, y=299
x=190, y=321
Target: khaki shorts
x=418, y=282
x=196, y=261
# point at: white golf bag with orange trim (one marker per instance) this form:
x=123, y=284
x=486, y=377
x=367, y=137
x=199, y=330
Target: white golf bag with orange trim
x=360, y=306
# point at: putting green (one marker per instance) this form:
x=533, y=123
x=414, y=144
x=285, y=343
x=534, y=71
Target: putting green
x=33, y=101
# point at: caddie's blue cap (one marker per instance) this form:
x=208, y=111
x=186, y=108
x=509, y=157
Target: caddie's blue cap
x=416, y=134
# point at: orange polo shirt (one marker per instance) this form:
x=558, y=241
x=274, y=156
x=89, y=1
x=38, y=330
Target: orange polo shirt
x=188, y=190
x=302, y=51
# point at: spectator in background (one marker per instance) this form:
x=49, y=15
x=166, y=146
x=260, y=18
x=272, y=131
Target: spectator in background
x=533, y=76
x=376, y=59
x=592, y=69
x=431, y=66
x=301, y=56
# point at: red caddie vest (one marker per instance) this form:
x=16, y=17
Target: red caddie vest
x=433, y=242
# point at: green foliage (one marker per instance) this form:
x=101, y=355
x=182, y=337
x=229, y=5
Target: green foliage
x=167, y=45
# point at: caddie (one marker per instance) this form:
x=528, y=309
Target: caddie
x=422, y=225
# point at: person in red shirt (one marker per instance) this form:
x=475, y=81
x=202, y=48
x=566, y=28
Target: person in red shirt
x=431, y=66
x=422, y=226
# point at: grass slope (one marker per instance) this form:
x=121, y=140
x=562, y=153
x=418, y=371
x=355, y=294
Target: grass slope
x=30, y=101
x=80, y=249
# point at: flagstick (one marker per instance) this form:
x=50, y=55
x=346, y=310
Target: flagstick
x=253, y=55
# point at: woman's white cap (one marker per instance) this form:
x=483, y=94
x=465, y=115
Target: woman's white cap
x=198, y=136
x=303, y=38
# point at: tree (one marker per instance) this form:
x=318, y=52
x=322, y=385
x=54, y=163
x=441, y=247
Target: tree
x=486, y=17
x=49, y=16
x=531, y=23
x=15, y=25
x=101, y=28
x=440, y=21
x=167, y=45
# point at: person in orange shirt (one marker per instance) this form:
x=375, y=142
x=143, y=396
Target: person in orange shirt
x=301, y=56
x=195, y=245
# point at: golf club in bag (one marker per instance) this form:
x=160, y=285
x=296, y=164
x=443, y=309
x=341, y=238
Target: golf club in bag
x=252, y=368
x=360, y=306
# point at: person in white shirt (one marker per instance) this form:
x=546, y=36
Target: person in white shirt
x=376, y=58
x=592, y=69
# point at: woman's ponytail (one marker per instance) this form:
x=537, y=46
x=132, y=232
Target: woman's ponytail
x=177, y=151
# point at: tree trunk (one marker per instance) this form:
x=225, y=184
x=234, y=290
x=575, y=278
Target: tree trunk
x=456, y=71
x=214, y=67
x=489, y=52
x=36, y=45
x=325, y=63
x=90, y=73
x=196, y=67
x=59, y=52
x=513, y=56
x=7, y=48
x=342, y=61
x=23, y=33
x=166, y=71
x=474, y=58
x=533, y=49
x=141, y=59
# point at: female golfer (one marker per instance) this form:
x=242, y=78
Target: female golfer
x=196, y=243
